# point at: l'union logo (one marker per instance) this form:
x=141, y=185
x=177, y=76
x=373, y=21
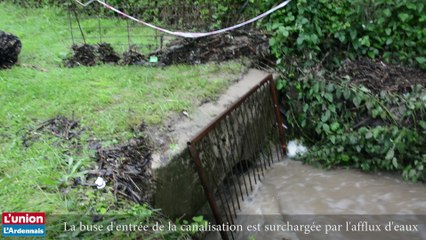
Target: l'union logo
x=23, y=224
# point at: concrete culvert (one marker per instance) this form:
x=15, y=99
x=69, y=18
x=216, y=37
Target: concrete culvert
x=10, y=47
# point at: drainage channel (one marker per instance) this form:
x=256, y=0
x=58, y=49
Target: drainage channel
x=232, y=153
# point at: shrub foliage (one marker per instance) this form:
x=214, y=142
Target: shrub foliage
x=393, y=30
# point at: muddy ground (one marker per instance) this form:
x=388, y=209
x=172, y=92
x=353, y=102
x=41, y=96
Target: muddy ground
x=126, y=167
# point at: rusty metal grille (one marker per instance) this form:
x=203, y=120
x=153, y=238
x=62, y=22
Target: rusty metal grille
x=233, y=152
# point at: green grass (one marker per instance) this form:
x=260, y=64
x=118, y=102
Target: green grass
x=107, y=99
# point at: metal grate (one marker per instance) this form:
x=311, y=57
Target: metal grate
x=233, y=152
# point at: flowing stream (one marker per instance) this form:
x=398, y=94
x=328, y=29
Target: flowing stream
x=365, y=205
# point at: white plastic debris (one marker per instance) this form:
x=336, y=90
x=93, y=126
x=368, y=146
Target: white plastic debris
x=185, y=113
x=295, y=148
x=100, y=183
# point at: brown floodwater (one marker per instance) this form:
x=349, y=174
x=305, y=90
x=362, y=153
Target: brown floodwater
x=297, y=201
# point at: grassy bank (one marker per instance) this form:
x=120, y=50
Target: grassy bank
x=107, y=99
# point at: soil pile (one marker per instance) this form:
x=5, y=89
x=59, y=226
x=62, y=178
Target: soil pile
x=222, y=47
x=216, y=48
x=90, y=55
x=84, y=55
x=128, y=166
x=133, y=57
x=10, y=47
x=378, y=76
x=107, y=53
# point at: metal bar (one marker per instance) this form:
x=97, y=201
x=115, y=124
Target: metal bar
x=99, y=24
x=229, y=166
x=234, y=162
x=240, y=165
x=258, y=110
x=268, y=111
x=213, y=124
x=238, y=110
x=222, y=161
x=215, y=181
x=250, y=131
x=79, y=26
x=207, y=192
x=278, y=118
x=70, y=22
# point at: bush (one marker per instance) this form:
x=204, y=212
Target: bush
x=347, y=124
x=394, y=30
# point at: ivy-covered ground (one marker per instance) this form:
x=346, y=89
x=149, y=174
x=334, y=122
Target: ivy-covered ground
x=353, y=81
x=359, y=116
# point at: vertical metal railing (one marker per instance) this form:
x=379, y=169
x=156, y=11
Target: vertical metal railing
x=232, y=153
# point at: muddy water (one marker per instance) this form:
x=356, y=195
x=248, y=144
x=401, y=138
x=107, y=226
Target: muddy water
x=295, y=194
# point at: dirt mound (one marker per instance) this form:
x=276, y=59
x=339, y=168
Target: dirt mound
x=84, y=55
x=222, y=47
x=216, y=48
x=60, y=126
x=90, y=55
x=133, y=57
x=107, y=54
x=128, y=166
x=378, y=76
x=10, y=47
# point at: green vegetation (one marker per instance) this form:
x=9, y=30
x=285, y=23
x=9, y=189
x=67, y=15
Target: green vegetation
x=349, y=125
x=346, y=123
x=310, y=39
x=335, y=30
x=109, y=100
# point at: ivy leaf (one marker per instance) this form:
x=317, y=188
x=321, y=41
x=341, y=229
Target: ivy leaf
x=334, y=126
x=346, y=94
x=357, y=101
x=387, y=12
x=280, y=84
x=368, y=135
x=376, y=132
x=390, y=154
x=326, y=127
x=403, y=16
x=300, y=40
x=329, y=97
x=395, y=163
x=326, y=116
x=333, y=139
x=198, y=219
x=422, y=124
x=345, y=158
x=421, y=60
x=330, y=87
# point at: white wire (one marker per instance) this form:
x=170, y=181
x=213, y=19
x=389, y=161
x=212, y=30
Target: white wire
x=188, y=34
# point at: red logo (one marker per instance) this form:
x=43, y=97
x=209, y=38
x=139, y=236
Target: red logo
x=23, y=218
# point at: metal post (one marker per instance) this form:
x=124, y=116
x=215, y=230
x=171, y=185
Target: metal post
x=70, y=22
x=203, y=178
x=278, y=117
